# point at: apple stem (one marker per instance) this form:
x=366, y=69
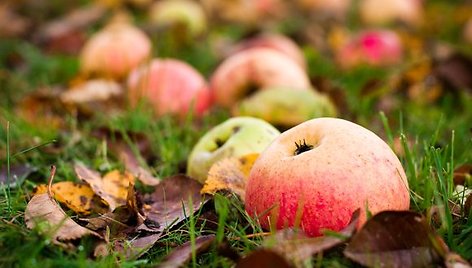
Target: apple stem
x=302, y=147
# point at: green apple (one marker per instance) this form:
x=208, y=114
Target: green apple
x=286, y=107
x=235, y=137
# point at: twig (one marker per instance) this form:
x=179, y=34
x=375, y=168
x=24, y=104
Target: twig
x=51, y=178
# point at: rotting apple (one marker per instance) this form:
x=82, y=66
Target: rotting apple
x=186, y=13
x=115, y=50
x=316, y=174
x=376, y=12
x=249, y=70
x=235, y=137
x=284, y=107
x=373, y=47
x=278, y=42
x=171, y=86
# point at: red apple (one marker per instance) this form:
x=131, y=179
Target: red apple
x=318, y=173
x=375, y=47
x=115, y=50
x=170, y=86
x=254, y=69
x=278, y=42
x=377, y=12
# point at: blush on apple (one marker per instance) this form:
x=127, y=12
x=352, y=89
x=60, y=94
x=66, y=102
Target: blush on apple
x=316, y=174
x=278, y=42
x=115, y=50
x=249, y=70
x=374, y=47
x=171, y=86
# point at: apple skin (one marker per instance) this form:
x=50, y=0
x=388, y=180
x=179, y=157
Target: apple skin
x=374, y=47
x=115, y=50
x=374, y=12
x=171, y=86
x=348, y=168
x=278, y=42
x=188, y=13
x=239, y=136
x=255, y=68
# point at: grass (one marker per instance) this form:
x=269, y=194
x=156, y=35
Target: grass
x=435, y=138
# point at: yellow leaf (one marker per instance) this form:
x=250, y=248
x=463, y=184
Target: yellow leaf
x=230, y=174
x=77, y=197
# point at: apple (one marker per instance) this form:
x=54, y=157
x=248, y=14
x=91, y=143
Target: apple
x=376, y=12
x=278, y=42
x=186, y=13
x=285, y=107
x=236, y=137
x=171, y=86
x=115, y=50
x=249, y=70
x=373, y=47
x=316, y=174
x=467, y=32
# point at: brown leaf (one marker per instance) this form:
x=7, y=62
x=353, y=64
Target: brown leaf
x=113, y=187
x=453, y=260
x=132, y=165
x=396, y=239
x=230, y=174
x=183, y=254
x=263, y=258
x=468, y=205
x=463, y=174
x=169, y=203
x=298, y=248
x=455, y=72
x=12, y=24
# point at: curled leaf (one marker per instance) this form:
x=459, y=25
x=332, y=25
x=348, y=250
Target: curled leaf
x=230, y=174
x=181, y=255
x=264, y=258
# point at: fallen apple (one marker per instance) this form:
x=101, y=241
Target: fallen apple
x=278, y=42
x=285, y=107
x=316, y=174
x=249, y=70
x=376, y=12
x=374, y=47
x=115, y=50
x=186, y=13
x=235, y=137
x=171, y=86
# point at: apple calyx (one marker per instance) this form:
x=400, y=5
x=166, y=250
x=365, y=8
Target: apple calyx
x=302, y=147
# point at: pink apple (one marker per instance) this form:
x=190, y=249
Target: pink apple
x=278, y=42
x=375, y=47
x=318, y=173
x=115, y=50
x=170, y=86
x=253, y=69
x=375, y=12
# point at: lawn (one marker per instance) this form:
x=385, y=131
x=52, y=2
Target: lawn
x=419, y=104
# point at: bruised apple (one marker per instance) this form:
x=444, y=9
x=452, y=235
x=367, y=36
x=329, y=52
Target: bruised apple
x=249, y=70
x=171, y=87
x=236, y=137
x=316, y=174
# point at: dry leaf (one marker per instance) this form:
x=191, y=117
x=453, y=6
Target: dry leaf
x=263, y=258
x=396, y=239
x=12, y=24
x=230, y=174
x=113, y=187
x=78, y=197
x=463, y=174
x=183, y=254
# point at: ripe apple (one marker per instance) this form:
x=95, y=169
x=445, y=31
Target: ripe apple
x=374, y=47
x=236, y=137
x=318, y=173
x=376, y=12
x=115, y=50
x=278, y=42
x=171, y=86
x=249, y=70
x=284, y=107
x=186, y=13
